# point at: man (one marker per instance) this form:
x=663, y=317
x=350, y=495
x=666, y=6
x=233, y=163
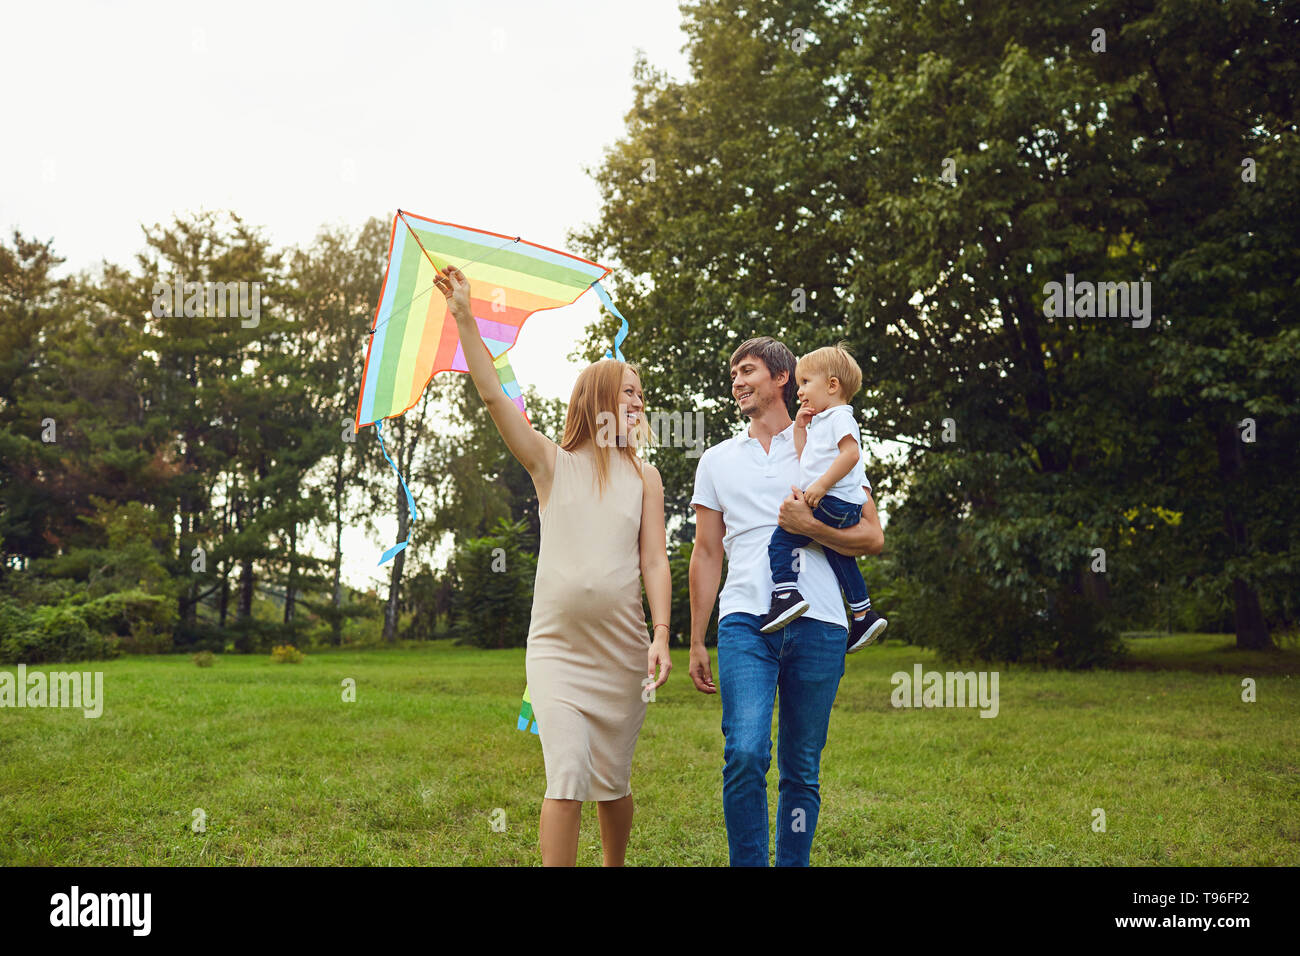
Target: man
x=739, y=487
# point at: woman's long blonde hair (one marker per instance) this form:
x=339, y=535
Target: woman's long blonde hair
x=598, y=392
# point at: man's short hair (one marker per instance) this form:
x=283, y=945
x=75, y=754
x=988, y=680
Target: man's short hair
x=776, y=357
x=834, y=360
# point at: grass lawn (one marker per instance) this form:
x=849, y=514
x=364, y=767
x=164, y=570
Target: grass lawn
x=413, y=771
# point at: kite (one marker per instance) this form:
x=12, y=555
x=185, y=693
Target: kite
x=414, y=337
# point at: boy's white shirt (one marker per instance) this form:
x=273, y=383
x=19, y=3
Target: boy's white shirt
x=823, y=447
x=747, y=485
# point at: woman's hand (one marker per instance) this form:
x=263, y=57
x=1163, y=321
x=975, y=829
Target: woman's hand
x=658, y=657
x=455, y=287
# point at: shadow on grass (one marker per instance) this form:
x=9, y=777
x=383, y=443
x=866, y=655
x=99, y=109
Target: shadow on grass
x=1209, y=654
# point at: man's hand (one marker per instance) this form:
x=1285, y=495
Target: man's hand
x=455, y=288
x=814, y=493
x=700, y=671
x=796, y=517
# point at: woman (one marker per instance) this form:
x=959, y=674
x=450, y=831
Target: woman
x=602, y=517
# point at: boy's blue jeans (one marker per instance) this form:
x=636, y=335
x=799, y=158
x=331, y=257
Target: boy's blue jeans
x=837, y=513
x=804, y=662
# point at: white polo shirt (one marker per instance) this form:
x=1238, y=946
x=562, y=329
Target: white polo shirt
x=823, y=447
x=746, y=484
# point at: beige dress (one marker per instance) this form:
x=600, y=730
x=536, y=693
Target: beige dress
x=587, y=641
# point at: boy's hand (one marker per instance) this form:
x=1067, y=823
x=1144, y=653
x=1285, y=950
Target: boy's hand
x=814, y=493
x=804, y=416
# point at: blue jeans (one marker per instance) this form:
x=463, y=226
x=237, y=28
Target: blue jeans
x=804, y=661
x=837, y=513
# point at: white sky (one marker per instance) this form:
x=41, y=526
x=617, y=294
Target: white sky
x=299, y=114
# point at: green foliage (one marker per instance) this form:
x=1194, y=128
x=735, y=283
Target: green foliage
x=679, y=570
x=427, y=605
x=494, y=578
x=50, y=634
x=169, y=475
x=814, y=175
x=205, y=659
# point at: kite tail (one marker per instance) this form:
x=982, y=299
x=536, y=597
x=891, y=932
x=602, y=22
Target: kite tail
x=410, y=502
x=608, y=303
x=526, y=713
x=510, y=384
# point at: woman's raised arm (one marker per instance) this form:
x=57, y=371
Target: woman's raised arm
x=530, y=447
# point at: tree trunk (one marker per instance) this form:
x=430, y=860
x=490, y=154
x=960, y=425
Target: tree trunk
x=188, y=603
x=245, y=589
x=224, y=600
x=336, y=625
x=1248, y=617
x=289, y=581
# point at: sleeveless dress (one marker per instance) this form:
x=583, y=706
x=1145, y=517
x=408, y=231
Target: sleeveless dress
x=587, y=640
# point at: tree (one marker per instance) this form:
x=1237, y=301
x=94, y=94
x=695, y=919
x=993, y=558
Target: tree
x=331, y=289
x=494, y=578
x=910, y=177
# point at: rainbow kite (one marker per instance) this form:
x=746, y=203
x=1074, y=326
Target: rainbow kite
x=414, y=335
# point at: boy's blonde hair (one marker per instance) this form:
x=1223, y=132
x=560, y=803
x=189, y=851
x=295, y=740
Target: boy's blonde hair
x=833, y=361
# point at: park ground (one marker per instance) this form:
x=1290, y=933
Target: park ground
x=426, y=766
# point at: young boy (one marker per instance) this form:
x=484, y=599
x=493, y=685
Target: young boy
x=828, y=443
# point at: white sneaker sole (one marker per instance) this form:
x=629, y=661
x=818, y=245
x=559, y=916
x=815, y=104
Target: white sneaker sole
x=869, y=637
x=794, y=612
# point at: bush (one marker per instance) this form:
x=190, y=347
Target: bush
x=144, y=621
x=252, y=636
x=494, y=593
x=989, y=590
x=52, y=634
x=205, y=658
x=199, y=636
x=286, y=654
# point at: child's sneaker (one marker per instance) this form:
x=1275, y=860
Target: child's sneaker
x=865, y=631
x=786, y=606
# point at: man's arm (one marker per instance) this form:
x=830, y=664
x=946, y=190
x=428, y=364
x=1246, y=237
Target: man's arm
x=865, y=537
x=705, y=573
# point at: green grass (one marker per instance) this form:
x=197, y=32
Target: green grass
x=410, y=774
